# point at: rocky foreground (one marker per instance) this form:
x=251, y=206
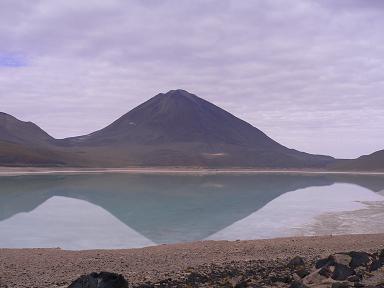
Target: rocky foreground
x=348, y=269
x=338, y=261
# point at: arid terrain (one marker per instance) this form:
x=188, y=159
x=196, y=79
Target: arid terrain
x=201, y=264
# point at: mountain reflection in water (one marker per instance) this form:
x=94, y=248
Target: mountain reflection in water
x=162, y=208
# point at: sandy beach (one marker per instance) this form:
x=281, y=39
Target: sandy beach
x=58, y=268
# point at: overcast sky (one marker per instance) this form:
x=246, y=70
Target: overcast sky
x=310, y=74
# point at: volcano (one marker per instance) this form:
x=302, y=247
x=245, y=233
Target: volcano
x=176, y=128
x=180, y=129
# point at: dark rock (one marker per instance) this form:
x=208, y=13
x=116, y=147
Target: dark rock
x=351, y=266
x=302, y=272
x=195, y=277
x=359, y=259
x=381, y=254
x=296, y=262
x=322, y=262
x=325, y=271
x=376, y=264
x=381, y=257
x=342, y=272
x=100, y=280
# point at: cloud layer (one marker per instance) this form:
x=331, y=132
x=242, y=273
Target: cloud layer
x=308, y=73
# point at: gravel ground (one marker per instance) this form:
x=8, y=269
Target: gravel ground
x=58, y=268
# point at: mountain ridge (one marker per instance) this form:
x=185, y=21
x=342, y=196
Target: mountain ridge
x=176, y=128
x=21, y=132
x=370, y=162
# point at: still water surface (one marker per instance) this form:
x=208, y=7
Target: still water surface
x=136, y=210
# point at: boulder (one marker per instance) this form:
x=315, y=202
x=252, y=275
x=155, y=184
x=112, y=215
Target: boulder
x=341, y=272
x=100, y=280
x=297, y=265
x=381, y=258
x=296, y=262
x=381, y=254
x=350, y=269
x=360, y=259
x=321, y=263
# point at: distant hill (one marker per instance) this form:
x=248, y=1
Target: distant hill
x=25, y=133
x=171, y=129
x=24, y=143
x=371, y=162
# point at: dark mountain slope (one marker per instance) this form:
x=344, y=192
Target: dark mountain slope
x=372, y=162
x=175, y=117
x=13, y=154
x=26, y=144
x=180, y=129
x=20, y=132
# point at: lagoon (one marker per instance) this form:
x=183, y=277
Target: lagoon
x=122, y=210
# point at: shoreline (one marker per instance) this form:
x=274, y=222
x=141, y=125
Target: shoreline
x=19, y=171
x=58, y=268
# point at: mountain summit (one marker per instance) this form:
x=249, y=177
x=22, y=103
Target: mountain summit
x=178, y=128
x=178, y=117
